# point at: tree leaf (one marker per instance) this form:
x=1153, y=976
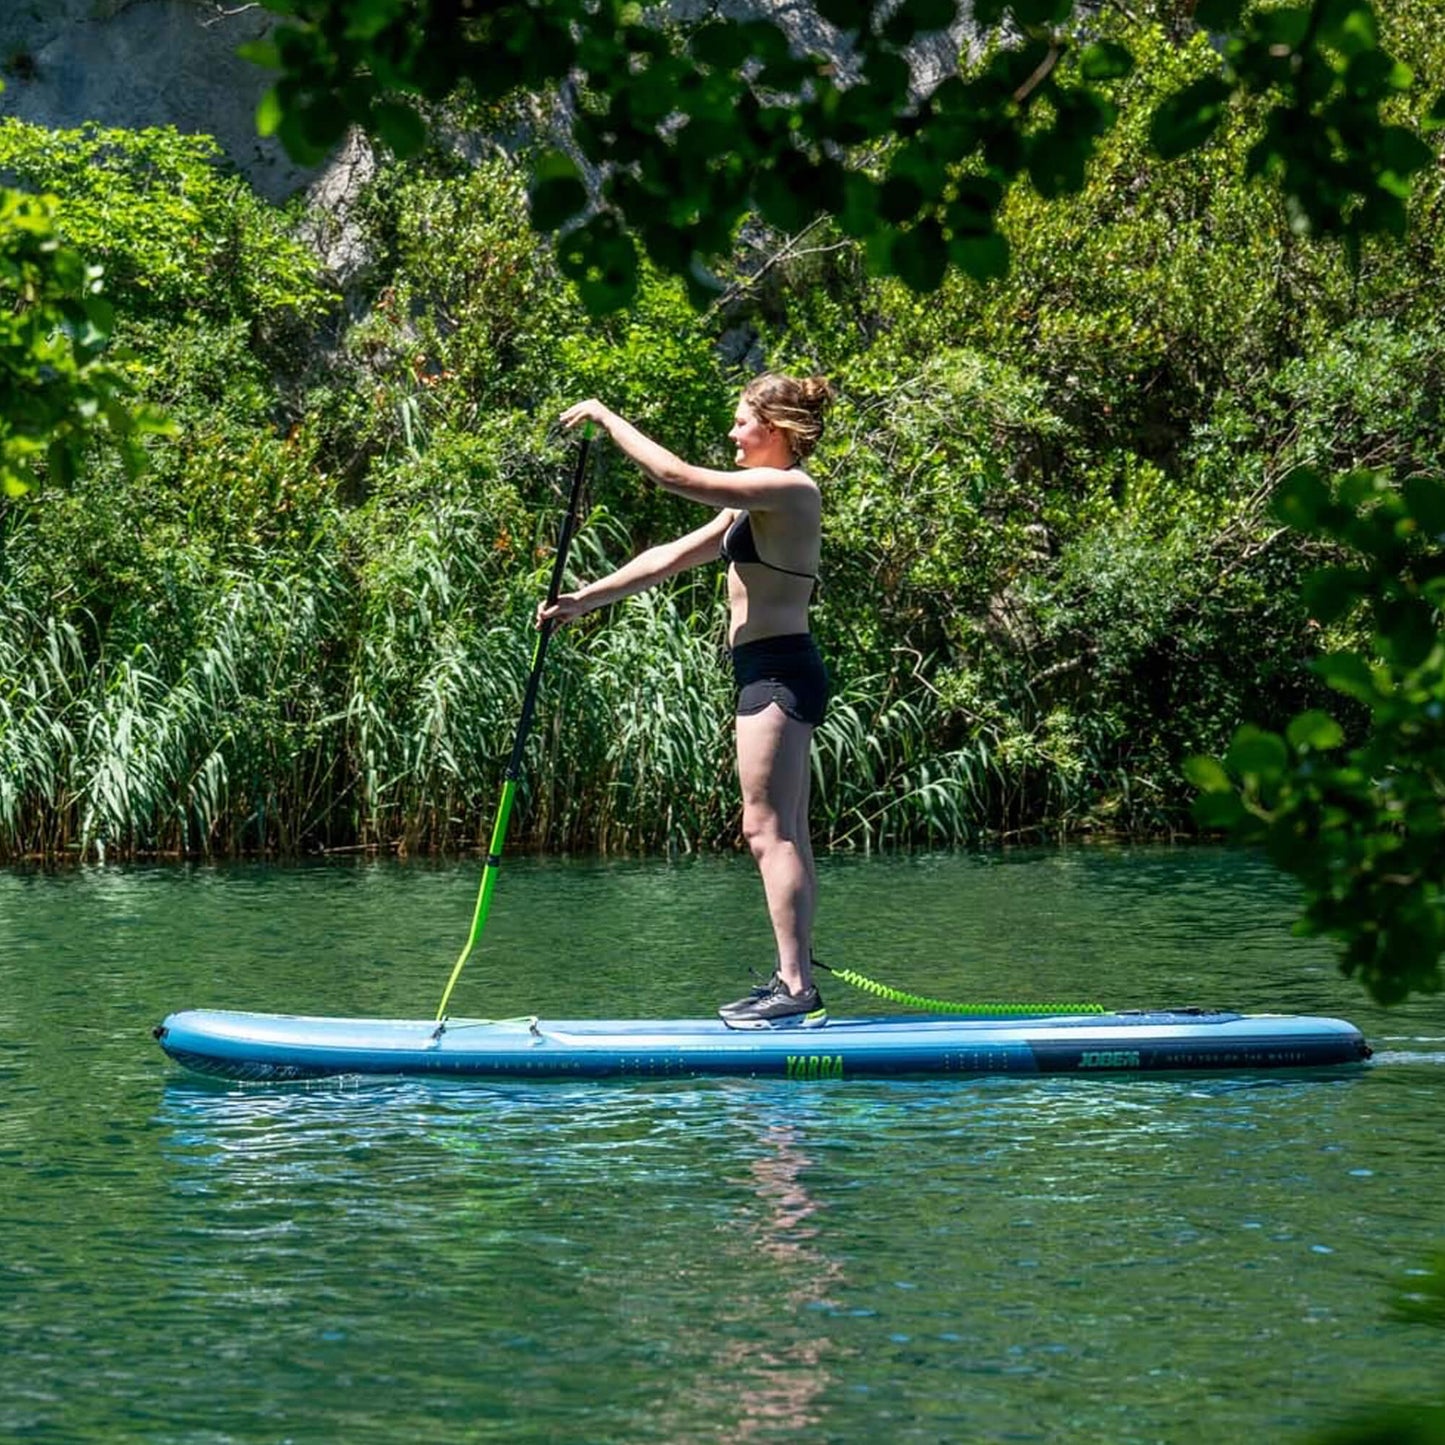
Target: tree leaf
x=1408, y=630
x=1105, y=60
x=1218, y=810
x=911, y=18
x=1348, y=26
x=557, y=192
x=1330, y=592
x=1218, y=14
x=1355, y=488
x=845, y=14
x=719, y=45
x=1425, y=500
x=1207, y=774
x=985, y=257
x=1184, y=121
x=899, y=199
x=319, y=121
x=858, y=215
x=400, y=128
x=1302, y=499
x=1347, y=673
x=263, y=52
x=101, y=315
x=268, y=112
x=1255, y=752
x=1314, y=730
x=1058, y=159
x=1282, y=28
x=1040, y=12
x=781, y=201
x=1402, y=151
x=888, y=77
x=930, y=15
x=920, y=256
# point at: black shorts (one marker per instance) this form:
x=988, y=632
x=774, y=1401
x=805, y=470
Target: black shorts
x=786, y=670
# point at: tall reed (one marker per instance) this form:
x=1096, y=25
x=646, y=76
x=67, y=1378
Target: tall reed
x=223, y=749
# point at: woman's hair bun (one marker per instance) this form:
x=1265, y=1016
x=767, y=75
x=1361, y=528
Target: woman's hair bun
x=816, y=391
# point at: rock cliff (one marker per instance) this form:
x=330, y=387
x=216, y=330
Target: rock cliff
x=138, y=63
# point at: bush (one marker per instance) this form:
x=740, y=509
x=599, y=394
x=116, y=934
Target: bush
x=174, y=234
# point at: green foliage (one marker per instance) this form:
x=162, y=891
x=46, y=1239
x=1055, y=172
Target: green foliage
x=1359, y=822
x=934, y=494
x=57, y=387
x=174, y=239
x=174, y=234
x=687, y=130
x=126, y=750
x=1159, y=287
x=1068, y=539
x=463, y=316
x=654, y=770
x=658, y=364
x=438, y=666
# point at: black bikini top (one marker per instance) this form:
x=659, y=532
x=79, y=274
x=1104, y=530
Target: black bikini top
x=739, y=545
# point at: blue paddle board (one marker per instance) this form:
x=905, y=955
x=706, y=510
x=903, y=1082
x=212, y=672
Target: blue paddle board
x=285, y=1046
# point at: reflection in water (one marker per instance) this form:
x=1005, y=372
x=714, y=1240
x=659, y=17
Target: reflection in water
x=780, y=1385
x=523, y=1184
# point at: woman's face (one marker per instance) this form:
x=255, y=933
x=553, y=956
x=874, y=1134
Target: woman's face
x=755, y=441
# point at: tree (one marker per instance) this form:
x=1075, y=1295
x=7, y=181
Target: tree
x=1361, y=826
x=58, y=390
x=670, y=135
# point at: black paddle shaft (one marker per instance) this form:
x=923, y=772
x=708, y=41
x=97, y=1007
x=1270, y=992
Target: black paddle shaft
x=559, y=566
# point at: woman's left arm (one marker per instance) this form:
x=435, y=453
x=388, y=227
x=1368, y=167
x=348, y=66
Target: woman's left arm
x=754, y=488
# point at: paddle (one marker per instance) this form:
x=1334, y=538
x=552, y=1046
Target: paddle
x=524, y=726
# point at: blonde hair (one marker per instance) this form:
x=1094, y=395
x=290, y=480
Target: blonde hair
x=794, y=405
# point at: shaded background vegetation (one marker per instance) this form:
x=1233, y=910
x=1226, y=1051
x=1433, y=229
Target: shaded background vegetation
x=1050, y=573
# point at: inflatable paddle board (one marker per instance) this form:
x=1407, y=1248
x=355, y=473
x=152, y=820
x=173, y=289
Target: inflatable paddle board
x=283, y=1046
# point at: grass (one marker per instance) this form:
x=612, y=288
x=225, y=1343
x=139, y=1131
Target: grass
x=374, y=707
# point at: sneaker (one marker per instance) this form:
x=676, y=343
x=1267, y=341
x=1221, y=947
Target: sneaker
x=756, y=992
x=776, y=1008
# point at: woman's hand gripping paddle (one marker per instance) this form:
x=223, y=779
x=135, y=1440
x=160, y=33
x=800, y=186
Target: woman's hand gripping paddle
x=524, y=726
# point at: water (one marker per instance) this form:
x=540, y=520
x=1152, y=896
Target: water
x=1098, y=1259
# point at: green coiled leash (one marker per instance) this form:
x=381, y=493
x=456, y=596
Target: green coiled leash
x=944, y=1006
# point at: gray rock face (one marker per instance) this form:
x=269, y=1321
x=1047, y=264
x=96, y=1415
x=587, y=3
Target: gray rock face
x=932, y=58
x=138, y=63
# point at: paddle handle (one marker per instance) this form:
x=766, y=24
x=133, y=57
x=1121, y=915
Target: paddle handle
x=545, y=629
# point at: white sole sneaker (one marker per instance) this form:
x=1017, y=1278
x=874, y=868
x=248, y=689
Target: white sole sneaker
x=814, y=1019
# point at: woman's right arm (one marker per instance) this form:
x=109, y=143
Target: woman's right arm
x=645, y=570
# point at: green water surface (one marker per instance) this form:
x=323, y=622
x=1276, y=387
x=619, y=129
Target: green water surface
x=1064, y=1259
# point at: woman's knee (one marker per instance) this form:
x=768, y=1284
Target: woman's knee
x=762, y=829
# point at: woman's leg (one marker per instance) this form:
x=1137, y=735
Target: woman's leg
x=773, y=771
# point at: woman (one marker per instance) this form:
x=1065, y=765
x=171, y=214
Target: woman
x=768, y=530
